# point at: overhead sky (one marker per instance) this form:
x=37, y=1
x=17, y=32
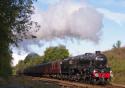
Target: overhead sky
x=81, y=25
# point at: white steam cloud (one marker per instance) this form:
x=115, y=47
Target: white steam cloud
x=68, y=19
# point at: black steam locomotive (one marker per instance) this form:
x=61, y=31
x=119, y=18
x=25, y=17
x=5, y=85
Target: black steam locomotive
x=89, y=67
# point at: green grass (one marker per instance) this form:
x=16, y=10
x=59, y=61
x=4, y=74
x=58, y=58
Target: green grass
x=116, y=59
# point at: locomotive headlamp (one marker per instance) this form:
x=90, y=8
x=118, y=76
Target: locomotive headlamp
x=94, y=71
x=61, y=62
x=96, y=75
x=111, y=74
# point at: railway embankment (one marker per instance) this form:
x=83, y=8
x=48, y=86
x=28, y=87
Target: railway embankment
x=116, y=59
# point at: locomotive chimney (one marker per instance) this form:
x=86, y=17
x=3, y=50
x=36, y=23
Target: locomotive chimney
x=98, y=52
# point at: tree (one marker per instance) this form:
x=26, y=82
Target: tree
x=30, y=56
x=117, y=45
x=15, y=21
x=30, y=60
x=19, y=67
x=55, y=53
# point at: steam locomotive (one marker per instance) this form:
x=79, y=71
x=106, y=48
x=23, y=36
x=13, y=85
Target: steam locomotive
x=89, y=67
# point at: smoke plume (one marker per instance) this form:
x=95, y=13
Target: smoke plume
x=68, y=19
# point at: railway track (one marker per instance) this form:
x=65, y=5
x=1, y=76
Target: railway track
x=69, y=84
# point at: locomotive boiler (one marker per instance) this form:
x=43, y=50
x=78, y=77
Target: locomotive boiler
x=89, y=68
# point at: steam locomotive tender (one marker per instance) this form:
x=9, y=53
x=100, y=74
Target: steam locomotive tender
x=89, y=67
